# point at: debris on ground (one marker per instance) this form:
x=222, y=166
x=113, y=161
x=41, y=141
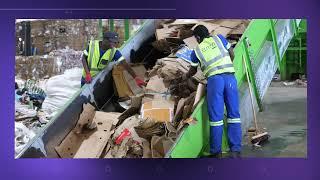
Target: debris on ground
x=296, y=83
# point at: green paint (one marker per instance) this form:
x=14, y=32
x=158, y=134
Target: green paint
x=100, y=28
x=194, y=142
x=275, y=44
x=126, y=29
x=251, y=73
x=111, y=24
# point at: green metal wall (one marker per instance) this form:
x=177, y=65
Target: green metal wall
x=295, y=59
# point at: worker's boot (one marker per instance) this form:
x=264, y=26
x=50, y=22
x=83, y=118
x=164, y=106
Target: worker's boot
x=234, y=154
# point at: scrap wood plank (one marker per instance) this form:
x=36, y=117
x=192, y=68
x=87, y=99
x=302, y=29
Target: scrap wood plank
x=89, y=144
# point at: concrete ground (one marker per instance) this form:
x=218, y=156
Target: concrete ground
x=285, y=117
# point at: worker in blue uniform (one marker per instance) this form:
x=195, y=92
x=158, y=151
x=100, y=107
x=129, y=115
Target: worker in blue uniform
x=215, y=56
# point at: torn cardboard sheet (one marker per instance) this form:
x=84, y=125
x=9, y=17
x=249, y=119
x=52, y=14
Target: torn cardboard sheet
x=189, y=121
x=156, y=85
x=127, y=144
x=179, y=110
x=158, y=110
x=171, y=131
x=170, y=68
x=160, y=146
x=199, y=94
x=149, y=128
x=90, y=143
x=134, y=108
x=187, y=109
x=122, y=88
x=129, y=124
x=185, y=33
x=139, y=69
x=94, y=145
x=184, y=22
x=231, y=23
x=222, y=30
x=146, y=149
x=132, y=83
x=86, y=117
x=191, y=42
x=124, y=82
x=210, y=26
x=165, y=32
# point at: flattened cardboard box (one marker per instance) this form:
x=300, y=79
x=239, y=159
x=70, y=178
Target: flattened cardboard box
x=89, y=144
x=158, y=110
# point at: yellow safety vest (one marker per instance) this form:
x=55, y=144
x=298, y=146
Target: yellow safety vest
x=214, y=58
x=95, y=62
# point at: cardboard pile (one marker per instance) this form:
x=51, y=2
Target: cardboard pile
x=157, y=112
x=147, y=129
x=173, y=33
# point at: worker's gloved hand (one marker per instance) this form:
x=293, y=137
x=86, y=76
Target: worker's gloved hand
x=139, y=82
x=88, y=78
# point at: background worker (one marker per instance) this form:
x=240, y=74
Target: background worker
x=99, y=53
x=215, y=56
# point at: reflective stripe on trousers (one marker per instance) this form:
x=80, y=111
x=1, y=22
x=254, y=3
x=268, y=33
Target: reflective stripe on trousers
x=222, y=90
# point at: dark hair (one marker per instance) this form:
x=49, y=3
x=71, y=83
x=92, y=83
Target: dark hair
x=201, y=31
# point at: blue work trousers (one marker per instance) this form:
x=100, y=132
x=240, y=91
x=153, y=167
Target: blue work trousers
x=222, y=90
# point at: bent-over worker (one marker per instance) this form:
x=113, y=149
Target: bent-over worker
x=215, y=56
